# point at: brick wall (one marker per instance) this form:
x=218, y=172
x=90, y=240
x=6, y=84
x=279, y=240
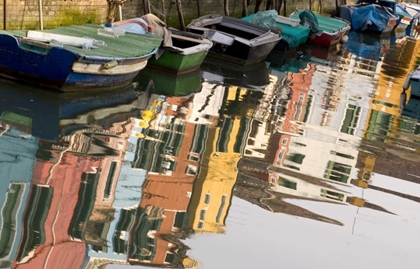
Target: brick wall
x=24, y=14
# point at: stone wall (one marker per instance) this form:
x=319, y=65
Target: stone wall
x=24, y=14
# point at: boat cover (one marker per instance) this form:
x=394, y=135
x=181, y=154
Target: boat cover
x=265, y=19
x=368, y=13
x=326, y=24
x=308, y=19
x=293, y=35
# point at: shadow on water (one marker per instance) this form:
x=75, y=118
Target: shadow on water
x=319, y=146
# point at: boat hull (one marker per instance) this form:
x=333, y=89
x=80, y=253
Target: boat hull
x=235, y=40
x=70, y=68
x=242, y=54
x=174, y=62
x=331, y=30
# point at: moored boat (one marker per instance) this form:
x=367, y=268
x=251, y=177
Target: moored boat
x=185, y=55
x=324, y=31
x=180, y=51
x=235, y=40
x=75, y=58
x=377, y=16
x=293, y=34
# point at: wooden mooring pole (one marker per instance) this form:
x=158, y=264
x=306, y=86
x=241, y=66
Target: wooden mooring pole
x=198, y=9
x=4, y=14
x=285, y=8
x=180, y=15
x=41, y=20
x=226, y=7
x=244, y=8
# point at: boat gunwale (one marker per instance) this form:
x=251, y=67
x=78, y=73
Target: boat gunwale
x=203, y=45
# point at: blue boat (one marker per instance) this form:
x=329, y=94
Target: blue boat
x=293, y=33
x=414, y=10
x=371, y=16
x=75, y=58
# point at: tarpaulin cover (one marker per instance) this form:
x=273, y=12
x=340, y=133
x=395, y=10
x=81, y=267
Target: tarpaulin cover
x=365, y=14
x=308, y=19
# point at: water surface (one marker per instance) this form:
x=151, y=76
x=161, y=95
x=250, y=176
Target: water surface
x=306, y=162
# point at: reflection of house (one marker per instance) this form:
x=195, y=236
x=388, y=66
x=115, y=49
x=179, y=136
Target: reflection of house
x=118, y=192
x=222, y=149
x=17, y=158
x=60, y=203
x=166, y=191
x=298, y=187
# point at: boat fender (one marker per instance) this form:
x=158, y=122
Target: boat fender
x=406, y=84
x=110, y=64
x=344, y=39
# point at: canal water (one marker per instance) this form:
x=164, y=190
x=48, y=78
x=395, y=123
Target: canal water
x=309, y=161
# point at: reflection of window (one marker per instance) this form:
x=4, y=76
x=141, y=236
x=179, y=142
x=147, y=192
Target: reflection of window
x=110, y=180
x=287, y=183
x=337, y=172
x=124, y=224
x=200, y=138
x=193, y=158
x=170, y=258
x=296, y=157
x=191, y=170
x=342, y=155
x=281, y=153
x=9, y=217
x=207, y=198
x=203, y=214
x=34, y=220
x=200, y=225
x=222, y=206
x=181, y=219
x=84, y=206
x=284, y=141
x=351, y=119
x=332, y=195
x=224, y=135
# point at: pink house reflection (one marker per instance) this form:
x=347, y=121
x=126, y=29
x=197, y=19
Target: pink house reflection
x=57, y=211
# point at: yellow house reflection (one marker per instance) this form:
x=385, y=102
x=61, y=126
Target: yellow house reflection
x=212, y=191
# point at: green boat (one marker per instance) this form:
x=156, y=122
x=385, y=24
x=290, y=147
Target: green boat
x=180, y=51
x=186, y=54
